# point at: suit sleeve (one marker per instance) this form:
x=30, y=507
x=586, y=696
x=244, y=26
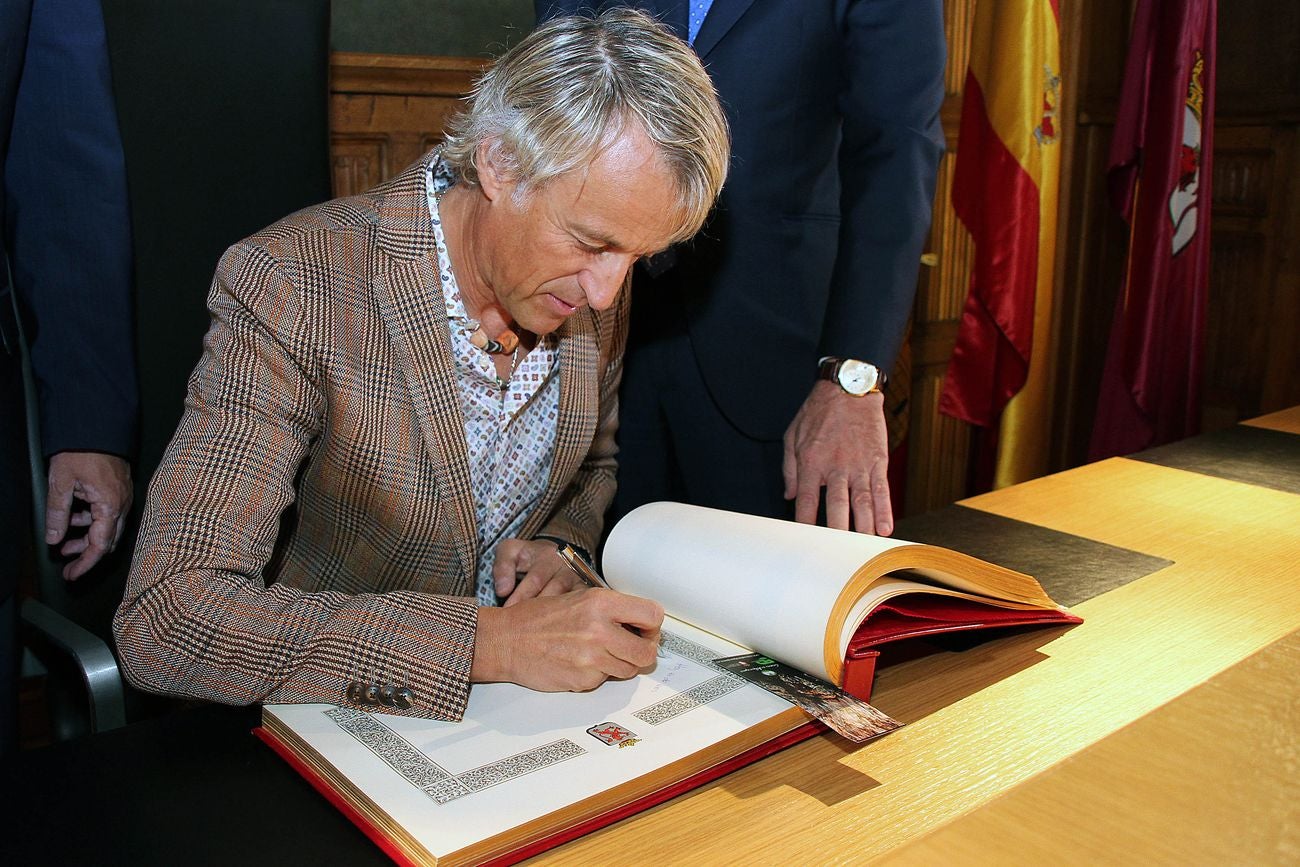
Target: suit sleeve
x=197, y=618
x=890, y=96
x=68, y=231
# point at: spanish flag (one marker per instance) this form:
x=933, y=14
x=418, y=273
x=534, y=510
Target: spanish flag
x=1005, y=189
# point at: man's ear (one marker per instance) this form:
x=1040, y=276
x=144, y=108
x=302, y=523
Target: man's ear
x=493, y=175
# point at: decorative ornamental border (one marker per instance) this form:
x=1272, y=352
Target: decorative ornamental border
x=422, y=772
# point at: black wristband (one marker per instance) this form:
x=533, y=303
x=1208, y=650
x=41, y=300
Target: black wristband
x=581, y=551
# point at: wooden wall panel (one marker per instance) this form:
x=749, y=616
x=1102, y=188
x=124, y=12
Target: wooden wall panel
x=358, y=162
x=1236, y=341
x=946, y=283
x=1092, y=246
x=958, y=18
x=1091, y=238
x=938, y=445
x=1252, y=360
x=1251, y=323
x=1259, y=61
x=386, y=111
x=1243, y=174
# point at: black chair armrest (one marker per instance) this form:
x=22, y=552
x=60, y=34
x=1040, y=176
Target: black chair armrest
x=92, y=658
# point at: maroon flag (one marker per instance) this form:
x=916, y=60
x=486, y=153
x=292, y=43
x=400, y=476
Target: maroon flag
x=1160, y=181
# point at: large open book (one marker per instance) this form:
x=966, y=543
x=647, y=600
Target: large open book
x=825, y=601
x=526, y=770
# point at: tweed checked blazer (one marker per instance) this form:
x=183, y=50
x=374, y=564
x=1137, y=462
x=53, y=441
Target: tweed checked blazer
x=312, y=523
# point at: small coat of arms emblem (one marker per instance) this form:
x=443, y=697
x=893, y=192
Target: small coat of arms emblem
x=612, y=734
x=1186, y=191
x=1045, y=132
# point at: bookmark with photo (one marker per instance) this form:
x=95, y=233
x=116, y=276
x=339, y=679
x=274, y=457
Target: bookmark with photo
x=847, y=715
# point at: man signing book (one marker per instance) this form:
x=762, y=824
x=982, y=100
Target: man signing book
x=407, y=397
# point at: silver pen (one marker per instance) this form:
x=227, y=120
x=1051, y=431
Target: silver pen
x=589, y=576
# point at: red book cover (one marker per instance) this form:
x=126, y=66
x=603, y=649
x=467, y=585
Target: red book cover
x=536, y=847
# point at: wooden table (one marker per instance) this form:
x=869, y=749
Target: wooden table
x=1165, y=729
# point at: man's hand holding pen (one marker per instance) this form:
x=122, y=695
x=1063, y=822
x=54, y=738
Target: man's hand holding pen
x=548, y=638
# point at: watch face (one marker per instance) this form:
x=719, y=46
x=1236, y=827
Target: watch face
x=858, y=377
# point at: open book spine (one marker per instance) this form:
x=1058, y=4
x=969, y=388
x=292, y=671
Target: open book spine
x=860, y=674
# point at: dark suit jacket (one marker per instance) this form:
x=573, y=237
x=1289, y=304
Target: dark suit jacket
x=66, y=224
x=65, y=241
x=814, y=247
x=327, y=382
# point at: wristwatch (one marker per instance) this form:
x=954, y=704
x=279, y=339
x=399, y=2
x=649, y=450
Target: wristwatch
x=858, y=378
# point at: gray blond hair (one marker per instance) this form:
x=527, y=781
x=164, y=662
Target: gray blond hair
x=572, y=86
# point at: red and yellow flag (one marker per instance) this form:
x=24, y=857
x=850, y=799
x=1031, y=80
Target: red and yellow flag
x=1005, y=189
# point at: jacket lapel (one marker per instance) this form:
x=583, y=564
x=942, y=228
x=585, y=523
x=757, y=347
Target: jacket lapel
x=722, y=15
x=405, y=285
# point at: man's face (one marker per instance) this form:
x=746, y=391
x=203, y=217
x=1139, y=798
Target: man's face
x=570, y=244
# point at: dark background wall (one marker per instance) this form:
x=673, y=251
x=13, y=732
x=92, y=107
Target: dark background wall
x=432, y=27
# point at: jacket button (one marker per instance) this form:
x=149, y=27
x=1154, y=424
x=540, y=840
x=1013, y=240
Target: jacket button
x=356, y=694
x=404, y=698
x=372, y=694
x=386, y=695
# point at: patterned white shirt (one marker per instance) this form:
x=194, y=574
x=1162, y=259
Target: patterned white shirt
x=510, y=432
